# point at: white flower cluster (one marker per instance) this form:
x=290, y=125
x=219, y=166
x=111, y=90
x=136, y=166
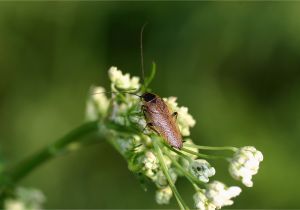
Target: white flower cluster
x=25, y=199
x=122, y=81
x=245, y=164
x=202, y=202
x=201, y=169
x=97, y=104
x=151, y=170
x=133, y=143
x=163, y=195
x=150, y=164
x=140, y=150
x=220, y=195
x=185, y=120
x=215, y=196
x=161, y=180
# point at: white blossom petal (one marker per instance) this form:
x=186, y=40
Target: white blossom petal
x=245, y=164
x=220, y=195
x=122, y=81
x=202, y=202
x=97, y=104
x=201, y=169
x=163, y=195
x=150, y=164
x=25, y=199
x=161, y=180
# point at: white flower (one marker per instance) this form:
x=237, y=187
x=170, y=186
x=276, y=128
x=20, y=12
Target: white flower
x=130, y=144
x=97, y=104
x=125, y=144
x=25, y=199
x=201, y=169
x=119, y=113
x=202, y=202
x=126, y=110
x=185, y=120
x=161, y=180
x=163, y=195
x=220, y=195
x=139, y=121
x=14, y=204
x=122, y=81
x=245, y=164
x=137, y=144
x=150, y=164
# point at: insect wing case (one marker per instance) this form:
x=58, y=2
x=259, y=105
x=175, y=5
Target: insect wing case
x=160, y=119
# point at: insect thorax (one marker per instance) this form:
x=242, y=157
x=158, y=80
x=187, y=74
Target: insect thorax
x=147, y=97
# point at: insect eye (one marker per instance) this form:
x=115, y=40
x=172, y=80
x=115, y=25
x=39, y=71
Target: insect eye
x=148, y=97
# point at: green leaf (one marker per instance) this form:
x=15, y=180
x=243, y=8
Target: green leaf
x=149, y=79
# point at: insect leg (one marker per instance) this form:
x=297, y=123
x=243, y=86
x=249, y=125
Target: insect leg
x=144, y=110
x=151, y=126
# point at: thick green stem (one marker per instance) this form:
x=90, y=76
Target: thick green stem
x=14, y=174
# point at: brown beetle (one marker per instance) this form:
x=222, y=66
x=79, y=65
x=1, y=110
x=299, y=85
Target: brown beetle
x=160, y=119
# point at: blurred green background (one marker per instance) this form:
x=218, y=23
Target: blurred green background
x=235, y=65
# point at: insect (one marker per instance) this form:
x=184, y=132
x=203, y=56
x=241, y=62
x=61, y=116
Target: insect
x=160, y=119
x=158, y=115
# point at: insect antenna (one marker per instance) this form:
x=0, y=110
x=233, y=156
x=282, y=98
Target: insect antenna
x=145, y=81
x=116, y=93
x=142, y=56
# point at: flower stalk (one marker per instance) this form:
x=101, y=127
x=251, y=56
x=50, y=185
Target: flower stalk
x=200, y=155
x=14, y=174
x=233, y=149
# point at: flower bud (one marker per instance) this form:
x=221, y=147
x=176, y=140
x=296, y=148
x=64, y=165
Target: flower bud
x=163, y=195
x=201, y=169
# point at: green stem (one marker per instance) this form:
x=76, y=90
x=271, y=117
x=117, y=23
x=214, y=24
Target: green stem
x=18, y=172
x=211, y=148
x=202, y=155
x=165, y=171
x=180, y=153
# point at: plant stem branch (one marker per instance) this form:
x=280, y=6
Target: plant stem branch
x=19, y=171
x=211, y=148
x=202, y=155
